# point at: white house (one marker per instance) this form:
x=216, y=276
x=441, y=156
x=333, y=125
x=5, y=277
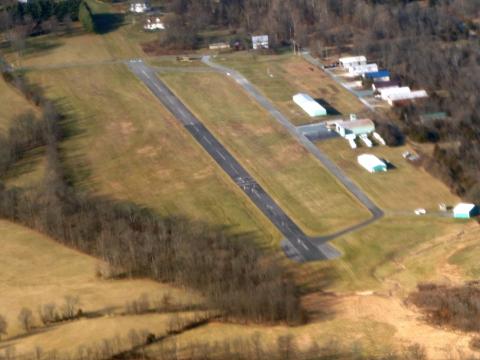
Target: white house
x=347, y=62
x=371, y=163
x=260, y=42
x=309, y=105
x=357, y=70
x=139, y=7
x=154, y=24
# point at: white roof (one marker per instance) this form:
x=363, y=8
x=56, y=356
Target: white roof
x=307, y=103
x=353, y=59
x=463, y=208
x=370, y=161
x=260, y=38
x=405, y=96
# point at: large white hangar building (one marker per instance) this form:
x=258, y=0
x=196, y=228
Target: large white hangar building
x=309, y=105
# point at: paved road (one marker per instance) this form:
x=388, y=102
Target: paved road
x=297, y=245
x=376, y=212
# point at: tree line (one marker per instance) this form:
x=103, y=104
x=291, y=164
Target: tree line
x=239, y=279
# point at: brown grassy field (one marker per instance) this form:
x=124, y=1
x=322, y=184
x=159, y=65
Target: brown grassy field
x=36, y=270
x=126, y=145
x=280, y=77
x=288, y=172
x=400, y=190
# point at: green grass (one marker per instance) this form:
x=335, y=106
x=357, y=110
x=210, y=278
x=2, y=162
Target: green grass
x=291, y=175
x=125, y=144
x=280, y=77
x=399, y=190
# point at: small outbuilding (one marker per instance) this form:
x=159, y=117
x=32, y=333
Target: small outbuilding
x=372, y=163
x=309, y=105
x=465, y=211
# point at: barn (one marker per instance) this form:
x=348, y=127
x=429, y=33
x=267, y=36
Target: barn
x=371, y=163
x=465, y=211
x=356, y=127
x=309, y=105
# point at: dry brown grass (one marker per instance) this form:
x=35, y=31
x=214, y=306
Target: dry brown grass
x=36, y=270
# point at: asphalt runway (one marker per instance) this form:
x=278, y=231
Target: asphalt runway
x=296, y=245
x=375, y=211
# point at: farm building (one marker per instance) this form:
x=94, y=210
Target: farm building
x=358, y=70
x=377, y=84
x=260, y=42
x=371, y=163
x=309, y=105
x=381, y=75
x=356, y=127
x=465, y=211
x=350, y=61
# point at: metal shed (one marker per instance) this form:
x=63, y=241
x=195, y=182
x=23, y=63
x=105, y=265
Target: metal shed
x=309, y=105
x=465, y=211
x=372, y=163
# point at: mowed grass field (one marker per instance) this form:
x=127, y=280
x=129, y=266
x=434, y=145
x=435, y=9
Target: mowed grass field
x=36, y=271
x=402, y=189
x=125, y=144
x=280, y=77
x=293, y=177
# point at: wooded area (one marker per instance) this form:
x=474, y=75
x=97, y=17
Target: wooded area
x=426, y=44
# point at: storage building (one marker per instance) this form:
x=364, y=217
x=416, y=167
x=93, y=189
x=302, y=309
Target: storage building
x=309, y=105
x=347, y=62
x=371, y=163
x=381, y=75
x=356, y=127
x=412, y=95
x=465, y=211
x=383, y=93
x=358, y=70
x=377, y=84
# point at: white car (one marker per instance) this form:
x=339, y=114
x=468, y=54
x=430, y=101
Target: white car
x=420, y=211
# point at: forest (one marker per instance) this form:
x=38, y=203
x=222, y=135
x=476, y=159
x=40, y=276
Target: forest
x=427, y=44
